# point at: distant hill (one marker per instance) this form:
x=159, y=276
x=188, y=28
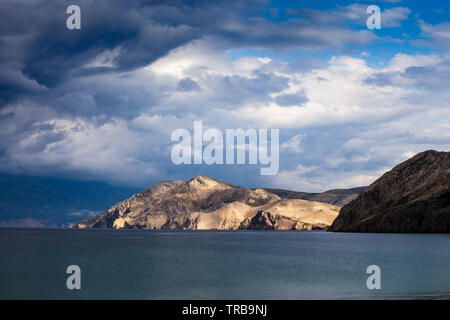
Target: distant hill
x=209, y=204
x=29, y=201
x=413, y=197
x=338, y=197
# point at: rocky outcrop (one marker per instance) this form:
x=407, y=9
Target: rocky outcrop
x=413, y=197
x=266, y=220
x=205, y=203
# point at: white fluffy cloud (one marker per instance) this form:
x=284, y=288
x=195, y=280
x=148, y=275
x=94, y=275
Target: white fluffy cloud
x=351, y=120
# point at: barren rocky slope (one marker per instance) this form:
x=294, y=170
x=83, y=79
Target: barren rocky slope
x=338, y=197
x=413, y=197
x=205, y=203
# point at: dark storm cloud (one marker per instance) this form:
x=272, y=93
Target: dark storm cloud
x=37, y=46
x=80, y=104
x=39, y=52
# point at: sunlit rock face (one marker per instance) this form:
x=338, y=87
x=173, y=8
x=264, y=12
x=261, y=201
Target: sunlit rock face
x=413, y=197
x=209, y=204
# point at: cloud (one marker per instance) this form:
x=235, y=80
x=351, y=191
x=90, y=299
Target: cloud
x=290, y=99
x=437, y=35
x=349, y=130
x=101, y=104
x=390, y=18
x=83, y=214
x=187, y=84
x=293, y=145
x=38, y=51
x=315, y=180
x=106, y=59
x=33, y=34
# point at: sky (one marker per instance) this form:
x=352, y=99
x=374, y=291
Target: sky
x=101, y=103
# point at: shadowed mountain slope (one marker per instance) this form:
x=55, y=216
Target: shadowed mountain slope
x=413, y=197
x=338, y=197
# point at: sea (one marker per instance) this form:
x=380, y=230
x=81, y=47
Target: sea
x=145, y=264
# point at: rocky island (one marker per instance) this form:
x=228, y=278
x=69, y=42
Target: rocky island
x=206, y=203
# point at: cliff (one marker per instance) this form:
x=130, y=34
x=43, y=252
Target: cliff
x=413, y=197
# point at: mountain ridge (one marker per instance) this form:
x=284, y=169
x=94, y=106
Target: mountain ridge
x=338, y=197
x=412, y=197
x=207, y=203
x=34, y=201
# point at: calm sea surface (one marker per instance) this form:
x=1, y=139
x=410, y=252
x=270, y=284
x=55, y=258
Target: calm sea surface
x=138, y=264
